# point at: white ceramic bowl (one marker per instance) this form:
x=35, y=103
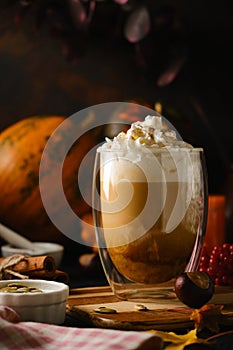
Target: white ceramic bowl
x=39, y=248
x=46, y=307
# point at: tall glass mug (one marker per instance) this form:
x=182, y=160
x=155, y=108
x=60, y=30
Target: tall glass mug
x=150, y=212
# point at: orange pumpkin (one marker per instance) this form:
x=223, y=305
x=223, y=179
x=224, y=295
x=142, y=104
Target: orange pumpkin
x=21, y=148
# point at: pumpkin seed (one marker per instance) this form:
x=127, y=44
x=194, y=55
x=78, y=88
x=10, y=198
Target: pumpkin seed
x=19, y=288
x=15, y=285
x=23, y=290
x=105, y=310
x=140, y=307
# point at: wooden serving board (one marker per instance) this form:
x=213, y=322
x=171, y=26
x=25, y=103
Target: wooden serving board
x=168, y=314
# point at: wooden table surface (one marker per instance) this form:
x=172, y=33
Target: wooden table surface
x=166, y=315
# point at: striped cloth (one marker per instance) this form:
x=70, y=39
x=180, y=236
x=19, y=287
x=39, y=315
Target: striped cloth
x=16, y=335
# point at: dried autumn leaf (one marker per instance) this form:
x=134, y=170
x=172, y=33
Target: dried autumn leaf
x=177, y=341
x=208, y=316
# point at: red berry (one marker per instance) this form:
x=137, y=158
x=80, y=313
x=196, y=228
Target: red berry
x=218, y=264
x=226, y=246
x=225, y=279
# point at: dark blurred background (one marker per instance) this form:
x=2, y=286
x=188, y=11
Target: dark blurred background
x=57, y=57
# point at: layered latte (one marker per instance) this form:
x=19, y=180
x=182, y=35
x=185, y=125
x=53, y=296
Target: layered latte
x=150, y=195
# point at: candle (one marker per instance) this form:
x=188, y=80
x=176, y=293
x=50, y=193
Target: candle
x=215, y=229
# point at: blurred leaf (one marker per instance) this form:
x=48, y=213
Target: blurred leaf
x=171, y=72
x=129, y=5
x=78, y=13
x=137, y=25
x=25, y=3
x=121, y=2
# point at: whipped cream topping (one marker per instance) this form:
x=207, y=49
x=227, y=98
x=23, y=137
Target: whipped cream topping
x=151, y=132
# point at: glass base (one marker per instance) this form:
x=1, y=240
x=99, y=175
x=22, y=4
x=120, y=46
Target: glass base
x=145, y=293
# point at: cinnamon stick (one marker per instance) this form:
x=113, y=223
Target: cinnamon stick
x=37, y=267
x=61, y=276
x=57, y=275
x=34, y=263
